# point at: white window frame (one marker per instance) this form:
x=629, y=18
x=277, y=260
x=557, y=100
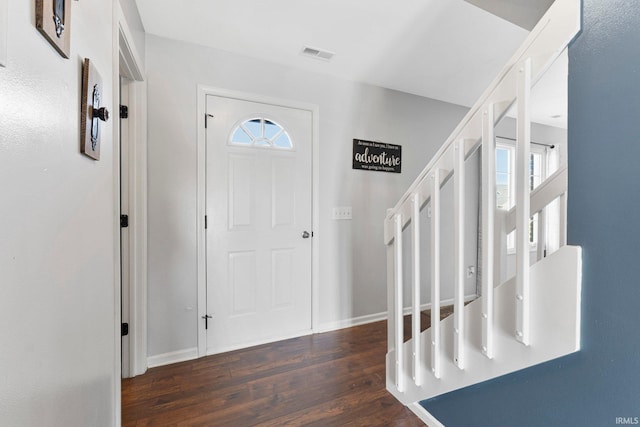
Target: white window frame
x=546, y=159
x=241, y=124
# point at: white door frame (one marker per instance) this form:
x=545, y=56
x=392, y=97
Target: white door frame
x=203, y=91
x=129, y=65
x=117, y=339
x=125, y=235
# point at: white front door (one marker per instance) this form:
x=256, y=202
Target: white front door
x=258, y=205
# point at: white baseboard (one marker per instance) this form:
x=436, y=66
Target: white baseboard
x=424, y=415
x=172, y=357
x=348, y=323
x=443, y=303
x=192, y=353
x=259, y=342
x=376, y=317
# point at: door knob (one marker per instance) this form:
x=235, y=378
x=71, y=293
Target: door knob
x=305, y=235
x=101, y=113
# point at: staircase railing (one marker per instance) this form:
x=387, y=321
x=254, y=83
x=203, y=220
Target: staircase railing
x=476, y=132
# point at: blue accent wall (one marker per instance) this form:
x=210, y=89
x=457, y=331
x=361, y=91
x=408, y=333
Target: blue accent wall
x=602, y=381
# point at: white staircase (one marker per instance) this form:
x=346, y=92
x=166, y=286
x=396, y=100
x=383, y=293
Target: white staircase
x=555, y=303
x=530, y=319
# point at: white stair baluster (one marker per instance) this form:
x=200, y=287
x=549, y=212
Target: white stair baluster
x=415, y=317
x=391, y=291
x=541, y=248
x=399, y=308
x=563, y=220
x=523, y=197
x=435, y=273
x=488, y=227
x=458, y=253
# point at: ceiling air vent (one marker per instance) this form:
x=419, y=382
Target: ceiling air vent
x=312, y=52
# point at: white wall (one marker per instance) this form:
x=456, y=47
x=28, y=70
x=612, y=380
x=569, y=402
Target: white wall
x=57, y=325
x=132, y=15
x=472, y=181
x=352, y=253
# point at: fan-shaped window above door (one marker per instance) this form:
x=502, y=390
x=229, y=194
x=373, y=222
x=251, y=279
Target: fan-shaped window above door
x=261, y=132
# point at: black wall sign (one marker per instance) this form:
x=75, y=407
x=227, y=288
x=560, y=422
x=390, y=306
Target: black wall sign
x=377, y=156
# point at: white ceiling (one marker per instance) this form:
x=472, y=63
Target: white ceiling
x=525, y=13
x=443, y=49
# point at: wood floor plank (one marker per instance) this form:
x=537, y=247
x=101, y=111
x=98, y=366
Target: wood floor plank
x=331, y=379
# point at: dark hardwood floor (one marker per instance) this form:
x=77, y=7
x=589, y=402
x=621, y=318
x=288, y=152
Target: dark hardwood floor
x=330, y=379
x=425, y=320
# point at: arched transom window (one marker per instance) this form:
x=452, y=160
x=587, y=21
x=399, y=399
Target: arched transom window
x=261, y=132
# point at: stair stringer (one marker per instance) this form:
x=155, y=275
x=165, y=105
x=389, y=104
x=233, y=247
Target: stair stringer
x=555, y=331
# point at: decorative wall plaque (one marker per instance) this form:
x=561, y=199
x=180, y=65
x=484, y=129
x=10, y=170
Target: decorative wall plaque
x=53, y=20
x=92, y=111
x=377, y=156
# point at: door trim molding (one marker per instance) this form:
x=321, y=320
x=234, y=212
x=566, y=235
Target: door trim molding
x=133, y=71
x=116, y=384
x=202, y=92
x=137, y=201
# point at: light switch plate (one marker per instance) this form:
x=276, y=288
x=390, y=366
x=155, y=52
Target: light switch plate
x=342, y=212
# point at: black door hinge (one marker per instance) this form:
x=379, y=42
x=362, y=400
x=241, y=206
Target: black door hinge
x=206, y=222
x=206, y=318
x=124, y=221
x=124, y=329
x=124, y=112
x=206, y=119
